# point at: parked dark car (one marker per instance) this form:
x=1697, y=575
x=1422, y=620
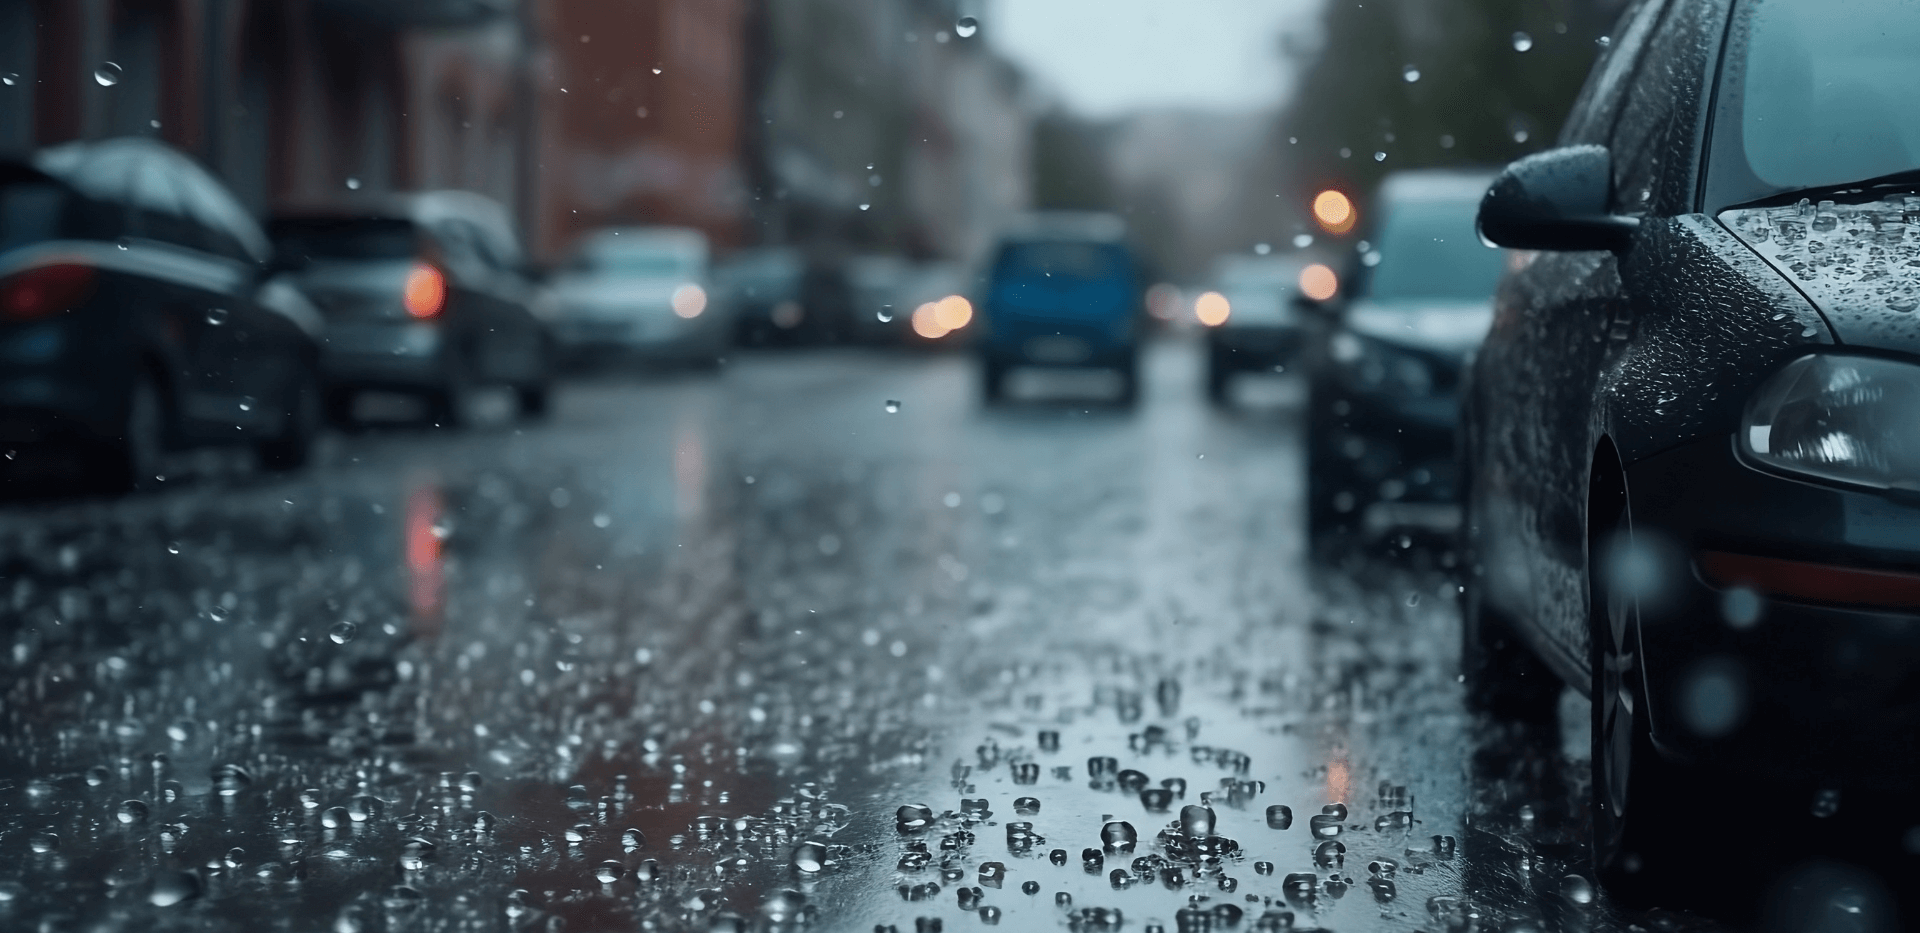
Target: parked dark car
x=1253, y=321
x=426, y=294
x=1693, y=435
x=137, y=317
x=1384, y=372
x=1064, y=290
x=782, y=297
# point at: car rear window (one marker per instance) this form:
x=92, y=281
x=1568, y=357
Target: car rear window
x=355, y=238
x=30, y=211
x=1428, y=250
x=1084, y=261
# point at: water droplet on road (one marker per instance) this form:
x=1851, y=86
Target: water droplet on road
x=1279, y=817
x=912, y=818
x=1197, y=821
x=1577, y=889
x=1119, y=835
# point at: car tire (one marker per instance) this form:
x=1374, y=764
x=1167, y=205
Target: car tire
x=1328, y=526
x=1218, y=379
x=993, y=379
x=1634, y=797
x=535, y=401
x=305, y=416
x=134, y=458
x=1129, y=382
x=451, y=404
x=1503, y=677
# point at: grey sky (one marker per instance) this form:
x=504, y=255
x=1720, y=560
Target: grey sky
x=1106, y=57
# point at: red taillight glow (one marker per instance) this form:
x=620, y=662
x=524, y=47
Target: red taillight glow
x=426, y=293
x=45, y=291
x=1814, y=583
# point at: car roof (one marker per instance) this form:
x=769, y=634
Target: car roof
x=122, y=170
x=678, y=239
x=1067, y=225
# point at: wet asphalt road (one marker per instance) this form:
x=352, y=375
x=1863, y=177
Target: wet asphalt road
x=614, y=670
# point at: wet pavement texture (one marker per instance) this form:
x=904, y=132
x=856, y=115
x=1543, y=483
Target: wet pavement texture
x=764, y=650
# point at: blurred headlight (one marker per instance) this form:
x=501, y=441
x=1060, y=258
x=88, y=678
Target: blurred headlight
x=1844, y=419
x=1374, y=366
x=1212, y=309
x=689, y=300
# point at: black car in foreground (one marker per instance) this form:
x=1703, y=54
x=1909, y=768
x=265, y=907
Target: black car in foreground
x=426, y=296
x=137, y=317
x=1383, y=373
x=1693, y=446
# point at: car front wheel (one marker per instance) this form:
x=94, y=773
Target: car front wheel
x=1633, y=802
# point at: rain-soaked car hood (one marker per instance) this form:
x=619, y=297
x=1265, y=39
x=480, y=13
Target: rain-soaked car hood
x=1448, y=328
x=1859, y=264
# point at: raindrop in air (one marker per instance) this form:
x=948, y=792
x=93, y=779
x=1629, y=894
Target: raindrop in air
x=107, y=75
x=342, y=632
x=353, y=183
x=1410, y=74
x=884, y=315
x=229, y=780
x=632, y=839
x=44, y=842
x=216, y=316
x=1577, y=889
x=966, y=27
x=9, y=79
x=893, y=406
x=1522, y=42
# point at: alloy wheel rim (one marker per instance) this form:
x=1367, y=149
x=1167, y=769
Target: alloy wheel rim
x=1616, y=711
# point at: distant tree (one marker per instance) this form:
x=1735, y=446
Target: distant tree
x=1396, y=84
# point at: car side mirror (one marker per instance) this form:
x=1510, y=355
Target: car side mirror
x=1557, y=200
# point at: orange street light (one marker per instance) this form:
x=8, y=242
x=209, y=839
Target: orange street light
x=1334, y=211
x=1319, y=282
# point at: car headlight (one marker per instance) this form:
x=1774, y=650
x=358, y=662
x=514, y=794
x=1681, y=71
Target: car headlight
x=1844, y=419
x=1374, y=366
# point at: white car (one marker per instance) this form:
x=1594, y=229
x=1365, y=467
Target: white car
x=640, y=292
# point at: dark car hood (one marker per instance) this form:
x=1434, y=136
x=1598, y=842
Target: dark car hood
x=1443, y=327
x=1858, y=263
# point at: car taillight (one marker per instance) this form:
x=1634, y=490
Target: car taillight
x=45, y=291
x=426, y=291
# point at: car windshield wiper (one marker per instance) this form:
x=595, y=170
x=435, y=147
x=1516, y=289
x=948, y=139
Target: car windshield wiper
x=1907, y=179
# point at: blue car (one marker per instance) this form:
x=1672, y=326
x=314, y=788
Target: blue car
x=1063, y=292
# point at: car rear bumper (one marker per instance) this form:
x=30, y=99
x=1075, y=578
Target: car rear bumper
x=398, y=355
x=1762, y=647
x=1252, y=347
x=1070, y=343
x=663, y=334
